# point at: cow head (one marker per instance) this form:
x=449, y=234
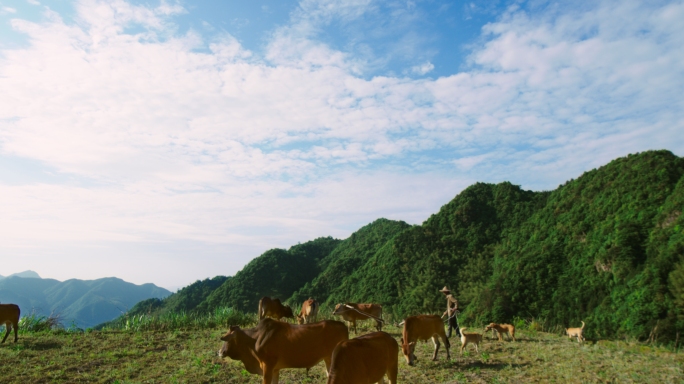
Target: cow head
x=300, y=319
x=408, y=350
x=237, y=345
x=230, y=341
x=339, y=308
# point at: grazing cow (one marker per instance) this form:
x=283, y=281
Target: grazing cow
x=9, y=315
x=274, y=308
x=309, y=312
x=273, y=345
x=422, y=327
x=365, y=360
x=352, y=312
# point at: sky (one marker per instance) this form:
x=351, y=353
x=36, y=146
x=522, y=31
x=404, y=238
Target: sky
x=169, y=141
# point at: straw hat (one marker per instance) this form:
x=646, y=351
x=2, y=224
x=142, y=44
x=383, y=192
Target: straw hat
x=445, y=290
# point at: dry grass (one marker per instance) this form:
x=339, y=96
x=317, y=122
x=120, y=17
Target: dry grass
x=190, y=357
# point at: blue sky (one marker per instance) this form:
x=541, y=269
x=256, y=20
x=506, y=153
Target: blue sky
x=170, y=141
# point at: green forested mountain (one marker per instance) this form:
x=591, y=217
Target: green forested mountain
x=350, y=255
x=186, y=299
x=600, y=250
x=606, y=248
x=277, y=273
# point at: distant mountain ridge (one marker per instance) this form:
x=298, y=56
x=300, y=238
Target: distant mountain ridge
x=606, y=248
x=26, y=274
x=84, y=303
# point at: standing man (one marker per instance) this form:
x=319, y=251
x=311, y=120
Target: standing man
x=452, y=310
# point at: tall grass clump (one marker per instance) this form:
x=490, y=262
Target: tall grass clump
x=37, y=323
x=220, y=317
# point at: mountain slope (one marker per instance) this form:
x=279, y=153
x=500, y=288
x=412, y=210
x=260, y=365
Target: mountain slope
x=594, y=252
x=277, y=272
x=606, y=248
x=453, y=247
x=349, y=255
x=85, y=303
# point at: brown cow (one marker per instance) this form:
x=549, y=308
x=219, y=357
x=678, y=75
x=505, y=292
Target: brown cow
x=274, y=308
x=352, y=312
x=422, y=327
x=273, y=345
x=309, y=312
x=9, y=315
x=365, y=359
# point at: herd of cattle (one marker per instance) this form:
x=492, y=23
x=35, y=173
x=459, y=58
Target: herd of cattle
x=274, y=345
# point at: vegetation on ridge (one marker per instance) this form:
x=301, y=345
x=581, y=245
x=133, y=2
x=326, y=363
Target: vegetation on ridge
x=606, y=248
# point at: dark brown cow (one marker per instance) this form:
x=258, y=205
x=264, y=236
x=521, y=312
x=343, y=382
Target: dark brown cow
x=309, y=312
x=273, y=345
x=352, y=312
x=422, y=327
x=274, y=308
x=9, y=315
x=365, y=359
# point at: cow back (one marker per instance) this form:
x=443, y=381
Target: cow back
x=354, y=314
x=9, y=313
x=298, y=346
x=365, y=359
x=422, y=327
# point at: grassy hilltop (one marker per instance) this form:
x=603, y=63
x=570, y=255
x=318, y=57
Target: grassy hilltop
x=606, y=248
x=188, y=355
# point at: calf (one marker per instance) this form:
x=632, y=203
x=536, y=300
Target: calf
x=9, y=315
x=365, y=360
x=422, y=327
x=352, y=312
x=309, y=312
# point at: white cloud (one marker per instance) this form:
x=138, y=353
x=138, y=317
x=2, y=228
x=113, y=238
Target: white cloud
x=423, y=68
x=223, y=148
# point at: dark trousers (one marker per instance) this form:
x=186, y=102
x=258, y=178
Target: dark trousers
x=453, y=324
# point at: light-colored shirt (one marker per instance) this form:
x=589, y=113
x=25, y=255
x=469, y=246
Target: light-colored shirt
x=452, y=305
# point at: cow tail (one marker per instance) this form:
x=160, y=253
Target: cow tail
x=261, y=302
x=582, y=326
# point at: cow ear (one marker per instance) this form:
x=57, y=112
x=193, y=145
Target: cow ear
x=234, y=328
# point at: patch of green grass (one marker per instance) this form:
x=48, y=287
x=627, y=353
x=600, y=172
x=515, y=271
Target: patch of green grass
x=190, y=356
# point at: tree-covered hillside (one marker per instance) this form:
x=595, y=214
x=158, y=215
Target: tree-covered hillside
x=277, y=273
x=350, y=255
x=600, y=250
x=453, y=247
x=606, y=248
x=186, y=299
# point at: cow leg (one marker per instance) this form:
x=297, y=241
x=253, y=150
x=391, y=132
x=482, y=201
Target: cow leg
x=392, y=371
x=378, y=325
x=327, y=360
x=435, y=341
x=8, y=329
x=447, y=345
x=270, y=373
